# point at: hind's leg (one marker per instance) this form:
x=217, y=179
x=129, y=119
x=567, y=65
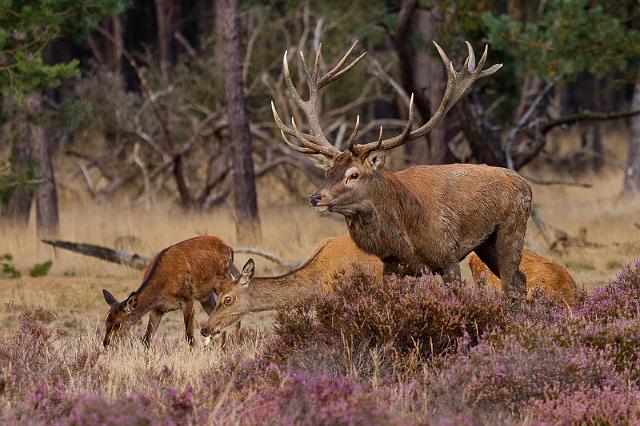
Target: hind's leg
x=188, y=314
x=154, y=320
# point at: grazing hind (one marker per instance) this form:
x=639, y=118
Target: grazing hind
x=192, y=270
x=315, y=277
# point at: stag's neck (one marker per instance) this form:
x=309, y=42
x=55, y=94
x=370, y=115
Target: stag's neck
x=385, y=226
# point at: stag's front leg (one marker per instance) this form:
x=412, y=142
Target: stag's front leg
x=154, y=320
x=188, y=313
x=451, y=273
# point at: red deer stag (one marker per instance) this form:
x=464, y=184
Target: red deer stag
x=313, y=278
x=194, y=269
x=554, y=279
x=423, y=215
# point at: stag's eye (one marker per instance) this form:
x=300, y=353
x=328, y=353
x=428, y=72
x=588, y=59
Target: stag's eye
x=227, y=300
x=354, y=175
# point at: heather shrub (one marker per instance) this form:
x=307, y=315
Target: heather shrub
x=510, y=373
x=589, y=406
x=402, y=314
x=619, y=299
x=317, y=400
x=29, y=356
x=619, y=340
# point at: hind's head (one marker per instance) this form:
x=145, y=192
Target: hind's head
x=119, y=317
x=232, y=304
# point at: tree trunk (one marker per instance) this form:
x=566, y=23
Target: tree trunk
x=18, y=207
x=632, y=173
x=167, y=17
x=46, y=195
x=246, y=205
x=430, y=75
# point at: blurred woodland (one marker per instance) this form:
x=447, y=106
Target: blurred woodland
x=141, y=100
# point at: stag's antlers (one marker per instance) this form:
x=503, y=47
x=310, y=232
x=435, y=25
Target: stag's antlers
x=317, y=146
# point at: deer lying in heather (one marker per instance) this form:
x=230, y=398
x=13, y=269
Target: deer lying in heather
x=192, y=270
x=313, y=278
x=423, y=215
x=552, y=278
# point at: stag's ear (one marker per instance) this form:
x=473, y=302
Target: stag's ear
x=108, y=297
x=248, y=270
x=131, y=303
x=375, y=160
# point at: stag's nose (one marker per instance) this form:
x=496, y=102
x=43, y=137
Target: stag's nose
x=208, y=332
x=315, y=198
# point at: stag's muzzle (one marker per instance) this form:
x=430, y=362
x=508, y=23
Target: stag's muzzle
x=315, y=198
x=207, y=332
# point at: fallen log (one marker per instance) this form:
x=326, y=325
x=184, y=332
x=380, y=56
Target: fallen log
x=123, y=257
x=136, y=261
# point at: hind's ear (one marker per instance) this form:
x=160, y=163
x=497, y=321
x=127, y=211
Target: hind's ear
x=108, y=297
x=248, y=270
x=131, y=303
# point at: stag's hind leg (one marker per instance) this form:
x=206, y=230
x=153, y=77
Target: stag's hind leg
x=509, y=244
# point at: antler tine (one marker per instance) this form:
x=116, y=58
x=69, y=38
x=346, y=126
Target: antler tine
x=316, y=63
x=284, y=129
x=458, y=83
x=287, y=78
x=295, y=147
x=337, y=71
x=483, y=58
x=364, y=151
x=352, y=138
x=304, y=67
x=470, y=62
x=329, y=151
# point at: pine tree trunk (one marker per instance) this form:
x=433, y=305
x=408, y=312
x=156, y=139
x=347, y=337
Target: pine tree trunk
x=632, y=173
x=46, y=195
x=18, y=207
x=167, y=17
x=246, y=206
x=430, y=75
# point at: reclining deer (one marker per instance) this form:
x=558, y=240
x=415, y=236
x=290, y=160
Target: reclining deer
x=553, y=279
x=430, y=216
x=192, y=270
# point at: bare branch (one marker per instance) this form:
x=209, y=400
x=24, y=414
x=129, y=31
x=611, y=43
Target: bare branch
x=525, y=118
x=556, y=182
x=547, y=126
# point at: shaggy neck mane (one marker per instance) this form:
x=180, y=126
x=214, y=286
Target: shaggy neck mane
x=384, y=226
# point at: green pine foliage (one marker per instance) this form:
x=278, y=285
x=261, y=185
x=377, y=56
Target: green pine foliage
x=28, y=27
x=569, y=37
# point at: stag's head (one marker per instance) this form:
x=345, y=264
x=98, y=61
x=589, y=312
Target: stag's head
x=232, y=304
x=119, y=317
x=349, y=172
